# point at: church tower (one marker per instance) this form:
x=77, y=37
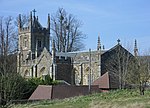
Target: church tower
x=33, y=38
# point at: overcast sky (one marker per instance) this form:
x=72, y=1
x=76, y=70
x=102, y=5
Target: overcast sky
x=111, y=19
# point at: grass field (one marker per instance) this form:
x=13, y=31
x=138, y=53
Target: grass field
x=113, y=99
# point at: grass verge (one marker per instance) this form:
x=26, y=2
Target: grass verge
x=112, y=99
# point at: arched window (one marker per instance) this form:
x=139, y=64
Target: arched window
x=87, y=69
x=42, y=71
x=77, y=76
x=27, y=74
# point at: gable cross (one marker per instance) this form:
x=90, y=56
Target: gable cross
x=118, y=41
x=34, y=12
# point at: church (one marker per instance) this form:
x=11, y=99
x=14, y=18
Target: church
x=36, y=59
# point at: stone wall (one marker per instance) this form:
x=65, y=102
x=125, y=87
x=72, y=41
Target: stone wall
x=81, y=67
x=64, y=70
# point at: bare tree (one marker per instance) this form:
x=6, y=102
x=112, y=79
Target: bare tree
x=7, y=36
x=9, y=79
x=143, y=72
x=65, y=30
x=1, y=36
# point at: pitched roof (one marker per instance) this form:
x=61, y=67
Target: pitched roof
x=103, y=81
x=46, y=54
x=42, y=92
x=36, y=23
x=106, y=81
x=114, y=48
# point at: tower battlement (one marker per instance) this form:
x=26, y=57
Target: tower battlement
x=25, y=29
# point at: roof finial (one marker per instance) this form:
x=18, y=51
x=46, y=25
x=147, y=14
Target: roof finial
x=135, y=48
x=135, y=44
x=48, y=22
x=99, y=43
x=103, y=47
x=118, y=41
x=30, y=20
x=31, y=15
x=19, y=22
x=37, y=18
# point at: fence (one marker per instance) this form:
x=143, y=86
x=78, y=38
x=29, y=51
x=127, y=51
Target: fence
x=61, y=91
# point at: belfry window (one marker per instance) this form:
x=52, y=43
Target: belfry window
x=39, y=43
x=25, y=42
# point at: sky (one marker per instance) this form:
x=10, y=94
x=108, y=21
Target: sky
x=126, y=20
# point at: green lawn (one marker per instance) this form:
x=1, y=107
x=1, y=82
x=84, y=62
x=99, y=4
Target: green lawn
x=113, y=99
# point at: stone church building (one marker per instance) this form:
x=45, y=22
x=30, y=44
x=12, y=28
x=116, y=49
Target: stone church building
x=36, y=59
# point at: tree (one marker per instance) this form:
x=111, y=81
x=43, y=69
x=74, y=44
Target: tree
x=10, y=81
x=12, y=87
x=143, y=72
x=140, y=71
x=7, y=36
x=65, y=31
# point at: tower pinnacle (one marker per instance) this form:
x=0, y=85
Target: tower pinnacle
x=19, y=22
x=99, y=43
x=48, y=22
x=135, y=49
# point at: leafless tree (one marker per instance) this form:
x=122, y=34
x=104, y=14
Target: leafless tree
x=66, y=32
x=9, y=79
x=7, y=36
x=143, y=72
